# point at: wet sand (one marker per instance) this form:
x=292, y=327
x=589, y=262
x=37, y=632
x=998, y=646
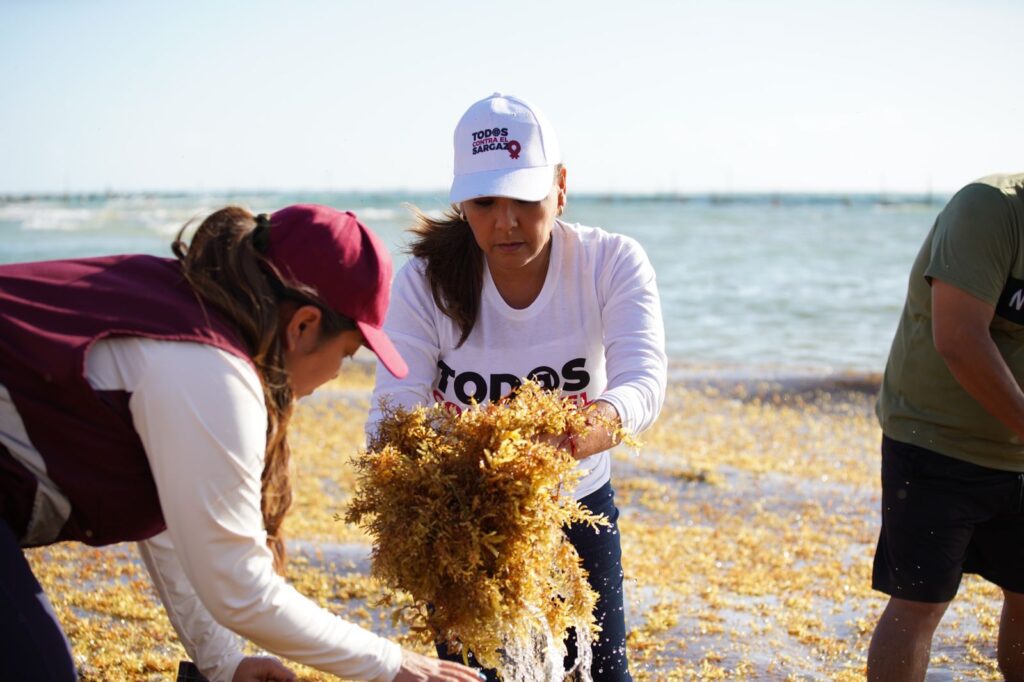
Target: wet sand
x=749, y=519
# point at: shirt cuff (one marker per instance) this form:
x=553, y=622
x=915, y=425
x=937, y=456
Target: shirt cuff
x=225, y=668
x=391, y=662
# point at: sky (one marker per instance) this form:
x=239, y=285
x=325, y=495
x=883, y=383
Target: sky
x=682, y=96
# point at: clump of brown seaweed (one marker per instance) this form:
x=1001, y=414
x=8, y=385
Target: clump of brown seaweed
x=466, y=514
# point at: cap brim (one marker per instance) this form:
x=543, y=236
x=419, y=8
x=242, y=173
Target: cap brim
x=379, y=343
x=525, y=184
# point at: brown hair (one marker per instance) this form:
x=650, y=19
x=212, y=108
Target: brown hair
x=226, y=269
x=455, y=265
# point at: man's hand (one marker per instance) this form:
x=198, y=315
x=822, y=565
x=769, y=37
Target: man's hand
x=262, y=669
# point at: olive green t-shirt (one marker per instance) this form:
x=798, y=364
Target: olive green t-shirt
x=977, y=245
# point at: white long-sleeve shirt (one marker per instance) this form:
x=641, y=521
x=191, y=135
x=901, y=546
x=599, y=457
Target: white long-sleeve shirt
x=201, y=417
x=595, y=331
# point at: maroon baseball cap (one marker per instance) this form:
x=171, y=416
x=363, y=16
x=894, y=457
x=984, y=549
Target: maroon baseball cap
x=347, y=264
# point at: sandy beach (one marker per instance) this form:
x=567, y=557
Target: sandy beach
x=749, y=518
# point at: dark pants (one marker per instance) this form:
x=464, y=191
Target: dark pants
x=32, y=644
x=602, y=557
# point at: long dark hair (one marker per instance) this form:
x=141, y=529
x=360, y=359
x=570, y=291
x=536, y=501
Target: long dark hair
x=454, y=265
x=227, y=270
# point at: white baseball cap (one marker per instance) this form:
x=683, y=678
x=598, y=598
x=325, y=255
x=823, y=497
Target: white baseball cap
x=504, y=147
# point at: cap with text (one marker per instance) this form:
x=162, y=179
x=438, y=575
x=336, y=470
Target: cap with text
x=504, y=147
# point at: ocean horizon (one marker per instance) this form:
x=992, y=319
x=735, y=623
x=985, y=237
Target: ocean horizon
x=752, y=284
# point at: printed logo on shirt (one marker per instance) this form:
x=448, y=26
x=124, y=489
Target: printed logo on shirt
x=469, y=386
x=1011, y=301
x=492, y=139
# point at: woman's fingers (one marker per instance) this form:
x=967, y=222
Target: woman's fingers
x=419, y=668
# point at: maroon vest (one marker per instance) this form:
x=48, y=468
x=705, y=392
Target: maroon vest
x=50, y=313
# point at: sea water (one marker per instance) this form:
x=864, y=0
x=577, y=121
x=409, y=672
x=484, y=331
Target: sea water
x=757, y=284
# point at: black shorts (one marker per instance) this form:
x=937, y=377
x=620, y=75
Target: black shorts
x=943, y=517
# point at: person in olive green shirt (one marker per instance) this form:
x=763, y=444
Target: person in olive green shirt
x=952, y=416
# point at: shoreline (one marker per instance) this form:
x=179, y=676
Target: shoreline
x=775, y=379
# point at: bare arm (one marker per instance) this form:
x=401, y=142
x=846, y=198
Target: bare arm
x=960, y=327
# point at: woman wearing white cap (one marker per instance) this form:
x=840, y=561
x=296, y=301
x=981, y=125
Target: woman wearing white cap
x=147, y=399
x=502, y=288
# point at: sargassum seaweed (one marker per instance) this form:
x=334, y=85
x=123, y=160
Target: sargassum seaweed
x=466, y=513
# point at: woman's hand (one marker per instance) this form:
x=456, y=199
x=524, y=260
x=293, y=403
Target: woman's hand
x=600, y=434
x=262, y=669
x=559, y=441
x=419, y=668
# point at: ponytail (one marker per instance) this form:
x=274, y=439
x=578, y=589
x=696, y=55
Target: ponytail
x=226, y=267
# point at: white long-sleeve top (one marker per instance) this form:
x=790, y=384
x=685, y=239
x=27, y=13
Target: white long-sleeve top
x=201, y=417
x=595, y=331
